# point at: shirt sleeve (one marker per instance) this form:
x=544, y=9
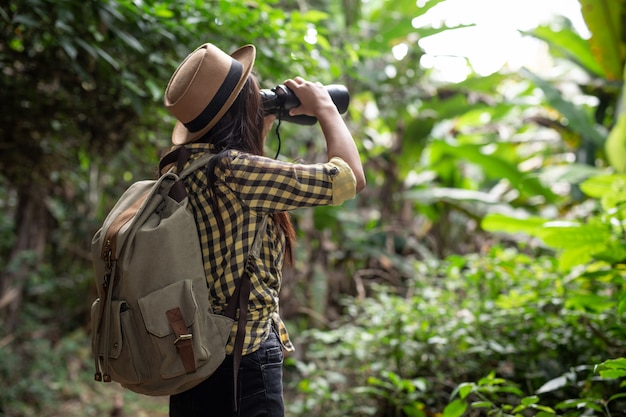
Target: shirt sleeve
x=344, y=183
x=269, y=185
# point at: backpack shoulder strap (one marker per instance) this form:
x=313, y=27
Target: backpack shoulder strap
x=240, y=299
x=195, y=164
x=175, y=157
x=178, y=158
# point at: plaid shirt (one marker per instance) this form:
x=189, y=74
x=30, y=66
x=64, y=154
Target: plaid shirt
x=248, y=189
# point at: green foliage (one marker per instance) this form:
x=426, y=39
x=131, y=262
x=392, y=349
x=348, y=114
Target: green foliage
x=598, y=240
x=570, y=45
x=614, y=368
x=593, y=252
x=508, y=152
x=578, y=118
x=400, y=353
x=490, y=148
x=46, y=376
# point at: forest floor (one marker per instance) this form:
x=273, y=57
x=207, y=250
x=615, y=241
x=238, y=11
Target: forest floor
x=112, y=401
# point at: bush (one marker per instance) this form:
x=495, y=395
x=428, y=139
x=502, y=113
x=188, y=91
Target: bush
x=462, y=319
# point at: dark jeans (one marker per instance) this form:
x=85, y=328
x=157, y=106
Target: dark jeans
x=260, y=387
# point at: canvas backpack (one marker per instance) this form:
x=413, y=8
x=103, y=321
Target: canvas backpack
x=153, y=329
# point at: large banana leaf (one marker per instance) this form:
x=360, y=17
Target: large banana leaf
x=579, y=120
x=571, y=45
x=604, y=20
x=527, y=184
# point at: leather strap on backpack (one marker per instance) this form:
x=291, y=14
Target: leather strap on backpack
x=241, y=295
x=178, y=158
x=183, y=342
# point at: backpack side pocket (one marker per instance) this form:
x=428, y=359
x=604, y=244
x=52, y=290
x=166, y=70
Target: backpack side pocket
x=126, y=362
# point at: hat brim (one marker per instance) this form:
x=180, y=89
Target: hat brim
x=244, y=55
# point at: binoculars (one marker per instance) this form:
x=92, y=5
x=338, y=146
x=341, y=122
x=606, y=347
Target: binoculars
x=280, y=99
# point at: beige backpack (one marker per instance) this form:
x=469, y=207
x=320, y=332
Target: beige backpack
x=153, y=329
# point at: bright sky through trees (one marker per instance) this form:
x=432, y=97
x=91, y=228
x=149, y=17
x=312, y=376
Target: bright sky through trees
x=495, y=40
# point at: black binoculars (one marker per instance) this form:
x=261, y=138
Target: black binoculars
x=280, y=99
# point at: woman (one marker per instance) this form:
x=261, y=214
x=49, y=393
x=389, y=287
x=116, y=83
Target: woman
x=218, y=105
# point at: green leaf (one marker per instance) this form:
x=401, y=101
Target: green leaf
x=573, y=257
x=578, y=119
x=414, y=139
x=314, y=15
x=162, y=11
x=491, y=380
x=506, y=224
x=130, y=40
x=613, y=252
x=615, y=145
x=465, y=389
x=543, y=410
x=613, y=368
x=617, y=396
x=570, y=44
x=414, y=410
x=599, y=186
x=612, y=374
x=482, y=404
x=546, y=413
x=591, y=302
x=577, y=403
x=448, y=107
x=574, y=173
x=572, y=235
x=433, y=195
x=527, y=401
x=69, y=48
x=553, y=385
x=514, y=300
x=496, y=167
x=455, y=409
x=604, y=20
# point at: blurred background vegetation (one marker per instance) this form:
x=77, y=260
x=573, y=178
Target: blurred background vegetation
x=480, y=273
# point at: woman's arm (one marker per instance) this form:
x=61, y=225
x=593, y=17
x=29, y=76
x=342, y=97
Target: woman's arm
x=315, y=101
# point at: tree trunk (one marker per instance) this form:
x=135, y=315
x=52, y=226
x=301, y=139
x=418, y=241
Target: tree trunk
x=33, y=223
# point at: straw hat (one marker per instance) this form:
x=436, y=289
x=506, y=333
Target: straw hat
x=203, y=88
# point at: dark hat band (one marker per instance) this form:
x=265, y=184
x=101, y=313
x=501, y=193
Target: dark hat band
x=218, y=101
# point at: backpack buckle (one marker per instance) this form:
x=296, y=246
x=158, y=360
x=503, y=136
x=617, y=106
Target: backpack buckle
x=183, y=337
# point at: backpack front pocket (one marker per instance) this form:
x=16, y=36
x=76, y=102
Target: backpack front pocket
x=203, y=328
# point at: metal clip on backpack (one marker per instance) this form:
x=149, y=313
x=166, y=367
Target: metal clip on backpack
x=154, y=331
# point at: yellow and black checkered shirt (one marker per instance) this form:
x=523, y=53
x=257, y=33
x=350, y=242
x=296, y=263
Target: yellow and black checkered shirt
x=248, y=188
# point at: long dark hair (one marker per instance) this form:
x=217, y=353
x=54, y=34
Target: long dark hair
x=241, y=128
